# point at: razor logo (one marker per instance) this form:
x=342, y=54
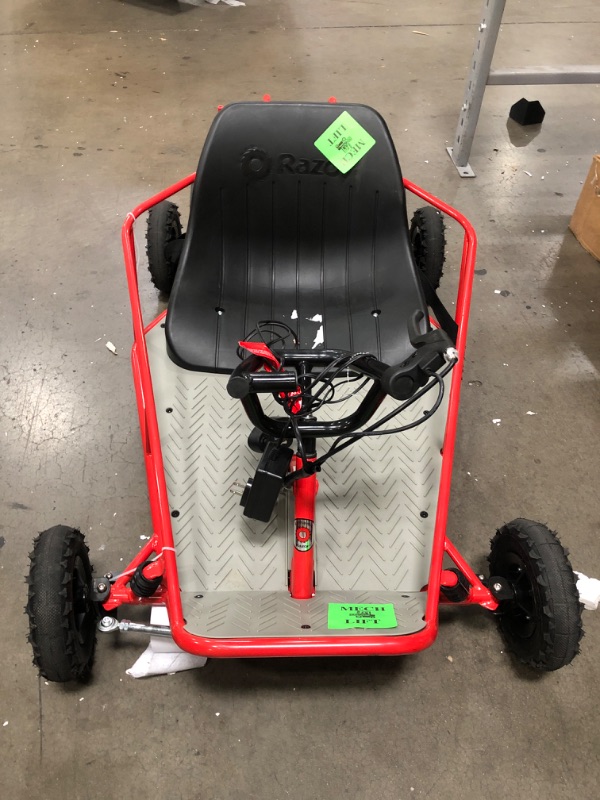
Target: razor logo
x=257, y=164
x=287, y=162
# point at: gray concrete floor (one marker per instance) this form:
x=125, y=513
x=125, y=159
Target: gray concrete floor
x=105, y=102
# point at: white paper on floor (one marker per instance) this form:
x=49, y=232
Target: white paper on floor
x=162, y=655
x=214, y=2
x=589, y=591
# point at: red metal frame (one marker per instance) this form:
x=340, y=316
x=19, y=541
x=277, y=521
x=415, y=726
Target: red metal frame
x=161, y=543
x=302, y=568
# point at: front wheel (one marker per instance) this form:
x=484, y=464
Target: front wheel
x=541, y=624
x=62, y=616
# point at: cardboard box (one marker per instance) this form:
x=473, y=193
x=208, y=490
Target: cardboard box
x=585, y=222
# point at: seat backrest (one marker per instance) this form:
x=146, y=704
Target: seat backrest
x=276, y=232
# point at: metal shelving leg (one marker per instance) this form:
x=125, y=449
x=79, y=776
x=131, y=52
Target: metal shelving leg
x=483, y=53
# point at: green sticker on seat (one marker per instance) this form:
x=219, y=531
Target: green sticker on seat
x=345, y=142
x=362, y=615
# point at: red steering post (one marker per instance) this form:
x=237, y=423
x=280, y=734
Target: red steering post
x=302, y=572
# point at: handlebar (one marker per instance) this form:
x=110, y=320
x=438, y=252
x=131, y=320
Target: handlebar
x=247, y=379
x=400, y=381
x=394, y=380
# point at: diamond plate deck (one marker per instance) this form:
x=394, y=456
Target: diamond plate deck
x=375, y=508
x=203, y=436
x=219, y=615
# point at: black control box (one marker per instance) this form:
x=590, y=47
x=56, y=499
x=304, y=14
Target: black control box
x=262, y=491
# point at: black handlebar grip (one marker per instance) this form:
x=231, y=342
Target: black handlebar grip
x=285, y=381
x=238, y=386
x=398, y=382
x=241, y=385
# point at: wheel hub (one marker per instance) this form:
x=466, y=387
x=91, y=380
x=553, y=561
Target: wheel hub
x=522, y=612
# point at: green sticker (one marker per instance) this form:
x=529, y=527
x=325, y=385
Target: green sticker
x=345, y=142
x=363, y=615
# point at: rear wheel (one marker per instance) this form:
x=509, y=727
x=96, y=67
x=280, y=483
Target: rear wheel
x=62, y=616
x=541, y=624
x=164, y=241
x=428, y=241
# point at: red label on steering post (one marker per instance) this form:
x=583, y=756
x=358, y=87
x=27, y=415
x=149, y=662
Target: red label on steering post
x=261, y=350
x=304, y=531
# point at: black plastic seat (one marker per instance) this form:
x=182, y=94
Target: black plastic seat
x=276, y=232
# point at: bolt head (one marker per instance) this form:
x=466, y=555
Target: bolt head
x=102, y=587
x=497, y=587
x=106, y=622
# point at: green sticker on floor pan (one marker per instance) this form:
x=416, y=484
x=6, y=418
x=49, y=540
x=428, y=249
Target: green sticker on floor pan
x=361, y=615
x=345, y=142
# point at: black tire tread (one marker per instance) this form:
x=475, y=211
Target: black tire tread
x=56, y=653
x=429, y=223
x=556, y=590
x=161, y=219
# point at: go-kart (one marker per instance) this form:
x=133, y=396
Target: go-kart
x=298, y=405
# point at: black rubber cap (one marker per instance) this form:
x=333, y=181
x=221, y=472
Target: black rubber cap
x=238, y=387
x=527, y=112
